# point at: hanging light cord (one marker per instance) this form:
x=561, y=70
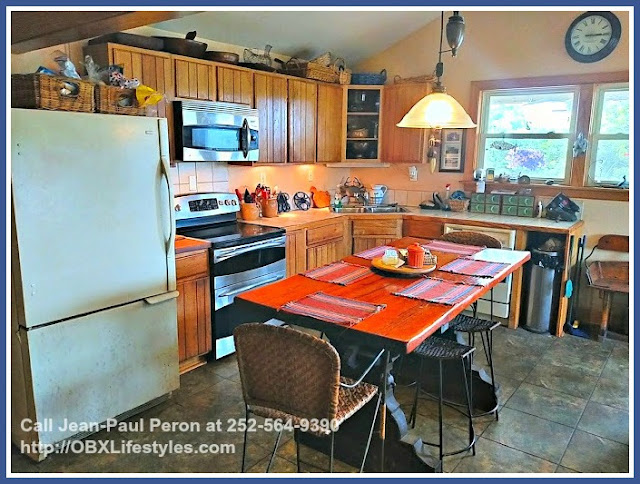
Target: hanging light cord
x=439, y=65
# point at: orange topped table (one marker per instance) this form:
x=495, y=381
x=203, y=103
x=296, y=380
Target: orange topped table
x=399, y=329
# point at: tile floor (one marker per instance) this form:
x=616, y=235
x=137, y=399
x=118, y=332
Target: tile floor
x=564, y=409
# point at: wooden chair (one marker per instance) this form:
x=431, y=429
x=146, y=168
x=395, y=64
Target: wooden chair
x=294, y=377
x=472, y=238
x=610, y=277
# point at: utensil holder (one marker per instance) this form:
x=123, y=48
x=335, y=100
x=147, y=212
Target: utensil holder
x=249, y=211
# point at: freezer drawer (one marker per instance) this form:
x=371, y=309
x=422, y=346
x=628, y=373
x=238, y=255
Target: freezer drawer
x=95, y=367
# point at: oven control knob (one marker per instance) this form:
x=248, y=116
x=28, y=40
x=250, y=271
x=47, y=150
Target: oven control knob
x=177, y=208
x=226, y=202
x=234, y=202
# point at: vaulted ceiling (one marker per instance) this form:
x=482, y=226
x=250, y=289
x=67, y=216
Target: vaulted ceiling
x=354, y=35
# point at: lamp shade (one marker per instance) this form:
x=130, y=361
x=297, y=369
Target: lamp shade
x=437, y=110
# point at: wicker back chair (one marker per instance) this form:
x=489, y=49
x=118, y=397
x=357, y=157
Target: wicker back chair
x=472, y=238
x=292, y=376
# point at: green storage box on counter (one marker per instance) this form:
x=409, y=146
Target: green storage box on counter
x=477, y=198
x=526, y=201
x=477, y=208
x=493, y=209
x=509, y=210
x=492, y=198
x=525, y=211
x=509, y=199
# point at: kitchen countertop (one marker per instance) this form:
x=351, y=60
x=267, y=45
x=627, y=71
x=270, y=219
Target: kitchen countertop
x=299, y=218
x=188, y=244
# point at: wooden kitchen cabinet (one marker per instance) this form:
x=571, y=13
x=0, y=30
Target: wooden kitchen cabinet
x=271, y=96
x=402, y=145
x=303, y=101
x=296, y=252
x=327, y=243
x=194, y=308
x=369, y=233
x=361, y=123
x=195, y=79
x=153, y=69
x=330, y=129
x=424, y=229
x=235, y=85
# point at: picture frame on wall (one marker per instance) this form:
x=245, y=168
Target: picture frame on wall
x=452, y=150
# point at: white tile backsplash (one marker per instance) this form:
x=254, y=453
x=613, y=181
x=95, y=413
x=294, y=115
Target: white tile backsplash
x=221, y=187
x=204, y=172
x=185, y=170
x=205, y=187
x=414, y=198
x=220, y=172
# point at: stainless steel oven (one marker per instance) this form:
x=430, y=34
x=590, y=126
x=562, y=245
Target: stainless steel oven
x=242, y=256
x=215, y=131
x=239, y=269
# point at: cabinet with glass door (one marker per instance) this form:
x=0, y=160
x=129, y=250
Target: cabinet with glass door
x=362, y=123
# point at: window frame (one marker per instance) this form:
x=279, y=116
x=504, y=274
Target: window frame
x=570, y=136
x=599, y=91
x=577, y=186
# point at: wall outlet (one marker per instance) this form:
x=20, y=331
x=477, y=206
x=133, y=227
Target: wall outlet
x=413, y=174
x=193, y=186
x=263, y=178
x=310, y=175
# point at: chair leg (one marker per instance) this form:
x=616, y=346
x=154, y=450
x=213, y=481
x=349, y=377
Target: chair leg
x=490, y=358
x=333, y=441
x=472, y=434
x=297, y=438
x=440, y=401
x=275, y=449
x=244, y=444
x=373, y=425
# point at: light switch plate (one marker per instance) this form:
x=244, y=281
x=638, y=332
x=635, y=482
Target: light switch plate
x=413, y=173
x=193, y=186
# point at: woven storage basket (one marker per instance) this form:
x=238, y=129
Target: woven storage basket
x=109, y=98
x=344, y=74
x=39, y=91
x=311, y=70
x=458, y=205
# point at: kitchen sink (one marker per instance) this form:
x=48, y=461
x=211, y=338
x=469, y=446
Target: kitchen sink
x=369, y=209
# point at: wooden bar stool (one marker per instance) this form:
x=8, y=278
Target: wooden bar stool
x=609, y=277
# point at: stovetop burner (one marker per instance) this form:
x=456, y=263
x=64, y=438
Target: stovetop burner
x=212, y=217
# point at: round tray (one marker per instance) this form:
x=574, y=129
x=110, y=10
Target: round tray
x=403, y=269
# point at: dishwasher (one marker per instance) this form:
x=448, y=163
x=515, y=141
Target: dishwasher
x=502, y=292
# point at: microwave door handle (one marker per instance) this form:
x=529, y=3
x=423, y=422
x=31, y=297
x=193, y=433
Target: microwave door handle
x=245, y=137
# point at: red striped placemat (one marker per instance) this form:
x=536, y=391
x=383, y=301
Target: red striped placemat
x=472, y=267
x=459, y=278
x=374, y=252
x=341, y=273
x=450, y=247
x=334, y=309
x=437, y=291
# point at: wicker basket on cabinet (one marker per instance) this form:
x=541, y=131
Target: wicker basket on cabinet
x=115, y=100
x=40, y=91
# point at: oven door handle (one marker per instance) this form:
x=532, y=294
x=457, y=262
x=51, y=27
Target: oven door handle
x=224, y=254
x=251, y=286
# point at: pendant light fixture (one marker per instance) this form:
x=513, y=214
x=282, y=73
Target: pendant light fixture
x=437, y=109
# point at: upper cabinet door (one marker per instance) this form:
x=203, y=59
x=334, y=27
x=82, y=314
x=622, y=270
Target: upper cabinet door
x=330, y=123
x=195, y=80
x=402, y=145
x=235, y=86
x=303, y=99
x=271, y=103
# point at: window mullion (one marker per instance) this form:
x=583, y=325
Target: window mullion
x=578, y=169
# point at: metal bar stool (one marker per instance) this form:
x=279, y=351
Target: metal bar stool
x=473, y=325
x=441, y=349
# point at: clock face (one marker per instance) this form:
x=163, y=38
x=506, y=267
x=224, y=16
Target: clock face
x=592, y=36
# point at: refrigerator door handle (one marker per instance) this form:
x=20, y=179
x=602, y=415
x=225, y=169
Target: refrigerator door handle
x=160, y=298
x=164, y=166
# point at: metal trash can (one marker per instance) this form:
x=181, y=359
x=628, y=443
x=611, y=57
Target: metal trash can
x=543, y=290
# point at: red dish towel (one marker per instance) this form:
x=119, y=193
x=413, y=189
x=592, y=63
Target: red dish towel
x=339, y=273
x=437, y=291
x=450, y=247
x=373, y=253
x=334, y=309
x=472, y=267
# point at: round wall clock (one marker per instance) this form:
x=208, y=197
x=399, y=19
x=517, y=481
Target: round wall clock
x=592, y=36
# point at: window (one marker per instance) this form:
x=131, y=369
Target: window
x=608, y=152
x=528, y=131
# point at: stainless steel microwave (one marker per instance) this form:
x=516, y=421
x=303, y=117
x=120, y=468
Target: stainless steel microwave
x=215, y=131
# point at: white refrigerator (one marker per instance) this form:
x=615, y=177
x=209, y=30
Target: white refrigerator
x=93, y=290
